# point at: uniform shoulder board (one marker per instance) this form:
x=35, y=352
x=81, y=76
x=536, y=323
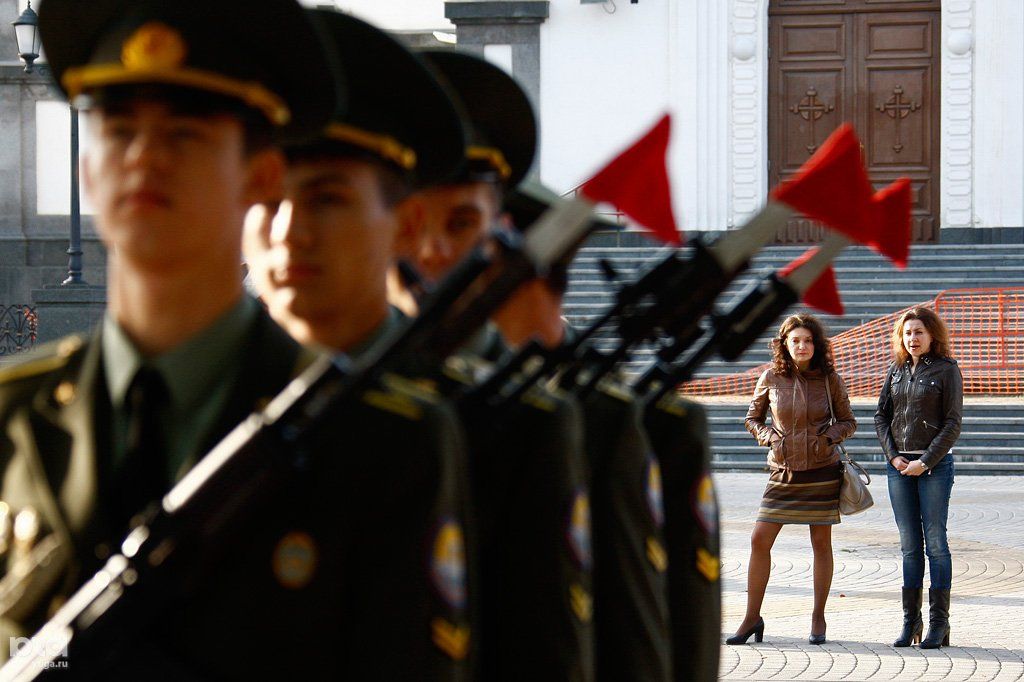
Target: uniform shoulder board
x=616, y=389
x=420, y=389
x=46, y=358
x=671, y=403
x=541, y=398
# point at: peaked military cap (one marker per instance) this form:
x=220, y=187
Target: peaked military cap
x=266, y=54
x=398, y=109
x=502, y=125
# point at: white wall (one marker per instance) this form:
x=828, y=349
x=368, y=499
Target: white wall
x=999, y=113
x=53, y=158
x=604, y=79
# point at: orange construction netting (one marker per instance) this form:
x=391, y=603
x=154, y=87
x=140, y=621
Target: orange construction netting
x=986, y=328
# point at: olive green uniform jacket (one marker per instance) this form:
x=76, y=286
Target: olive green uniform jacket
x=355, y=570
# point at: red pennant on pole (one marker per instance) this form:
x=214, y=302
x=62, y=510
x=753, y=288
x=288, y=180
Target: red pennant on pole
x=891, y=207
x=636, y=182
x=823, y=293
x=833, y=187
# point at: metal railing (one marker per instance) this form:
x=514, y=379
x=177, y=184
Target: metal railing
x=18, y=325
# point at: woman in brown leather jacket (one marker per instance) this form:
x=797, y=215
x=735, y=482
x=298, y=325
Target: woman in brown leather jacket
x=803, y=487
x=918, y=421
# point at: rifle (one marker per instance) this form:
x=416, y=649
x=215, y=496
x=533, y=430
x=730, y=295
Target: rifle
x=735, y=330
x=253, y=462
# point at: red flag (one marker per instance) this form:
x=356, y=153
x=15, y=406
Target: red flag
x=834, y=188
x=823, y=293
x=636, y=182
x=891, y=207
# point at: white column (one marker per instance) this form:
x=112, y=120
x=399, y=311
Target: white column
x=699, y=75
x=747, y=115
x=999, y=106
x=957, y=174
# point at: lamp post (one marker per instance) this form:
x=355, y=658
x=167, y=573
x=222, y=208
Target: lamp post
x=26, y=31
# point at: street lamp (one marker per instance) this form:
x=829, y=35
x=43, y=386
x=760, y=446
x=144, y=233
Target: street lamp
x=26, y=31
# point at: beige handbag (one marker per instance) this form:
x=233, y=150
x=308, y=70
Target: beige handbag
x=854, y=496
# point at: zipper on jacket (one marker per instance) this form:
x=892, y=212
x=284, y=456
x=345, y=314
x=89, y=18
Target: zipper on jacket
x=906, y=411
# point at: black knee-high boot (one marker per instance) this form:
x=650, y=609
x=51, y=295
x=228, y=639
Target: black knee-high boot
x=938, y=620
x=913, y=627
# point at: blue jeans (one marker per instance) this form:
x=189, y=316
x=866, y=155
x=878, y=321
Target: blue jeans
x=921, y=505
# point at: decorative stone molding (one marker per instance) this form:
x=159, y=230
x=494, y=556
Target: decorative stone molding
x=748, y=101
x=496, y=11
x=748, y=127
x=957, y=175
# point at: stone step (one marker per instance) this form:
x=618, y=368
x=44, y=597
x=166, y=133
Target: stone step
x=879, y=468
x=865, y=437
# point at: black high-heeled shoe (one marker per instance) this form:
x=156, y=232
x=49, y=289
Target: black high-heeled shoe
x=741, y=637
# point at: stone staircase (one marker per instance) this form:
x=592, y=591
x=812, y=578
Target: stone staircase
x=869, y=285
x=993, y=433
x=991, y=438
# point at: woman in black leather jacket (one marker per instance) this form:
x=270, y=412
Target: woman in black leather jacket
x=918, y=421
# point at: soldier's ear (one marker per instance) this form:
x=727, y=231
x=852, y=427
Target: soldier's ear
x=265, y=182
x=411, y=220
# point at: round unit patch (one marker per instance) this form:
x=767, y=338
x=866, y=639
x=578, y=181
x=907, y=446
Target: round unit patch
x=655, y=498
x=294, y=560
x=578, y=529
x=448, y=563
x=705, y=504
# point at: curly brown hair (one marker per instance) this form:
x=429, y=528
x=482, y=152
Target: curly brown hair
x=936, y=328
x=782, y=361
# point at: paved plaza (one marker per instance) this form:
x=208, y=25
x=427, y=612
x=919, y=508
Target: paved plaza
x=986, y=533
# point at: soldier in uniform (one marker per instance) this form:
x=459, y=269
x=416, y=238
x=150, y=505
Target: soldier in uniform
x=318, y=258
x=94, y=427
x=631, y=561
x=531, y=502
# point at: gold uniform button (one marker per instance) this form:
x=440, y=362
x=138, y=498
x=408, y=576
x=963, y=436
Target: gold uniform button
x=64, y=394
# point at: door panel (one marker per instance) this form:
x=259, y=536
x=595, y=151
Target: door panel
x=841, y=61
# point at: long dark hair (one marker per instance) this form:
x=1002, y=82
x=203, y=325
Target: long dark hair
x=936, y=328
x=782, y=361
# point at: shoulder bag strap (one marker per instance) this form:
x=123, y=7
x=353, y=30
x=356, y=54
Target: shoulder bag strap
x=828, y=396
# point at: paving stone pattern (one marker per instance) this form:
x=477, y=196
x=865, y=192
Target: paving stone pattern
x=986, y=532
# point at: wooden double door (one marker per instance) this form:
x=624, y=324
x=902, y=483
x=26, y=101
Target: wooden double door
x=874, y=63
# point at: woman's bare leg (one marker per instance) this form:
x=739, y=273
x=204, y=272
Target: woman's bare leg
x=821, y=543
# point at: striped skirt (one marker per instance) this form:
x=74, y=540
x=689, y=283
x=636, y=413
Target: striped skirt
x=804, y=497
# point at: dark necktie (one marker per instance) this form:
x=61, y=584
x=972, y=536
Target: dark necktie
x=142, y=477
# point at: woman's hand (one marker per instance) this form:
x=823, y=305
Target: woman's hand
x=900, y=462
x=915, y=468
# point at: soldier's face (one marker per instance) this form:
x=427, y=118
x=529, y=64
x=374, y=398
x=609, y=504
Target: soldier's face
x=455, y=219
x=170, y=189
x=319, y=259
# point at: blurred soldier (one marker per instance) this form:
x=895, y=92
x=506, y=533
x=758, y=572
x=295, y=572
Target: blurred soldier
x=184, y=101
x=679, y=436
x=319, y=259
x=531, y=500
x=630, y=589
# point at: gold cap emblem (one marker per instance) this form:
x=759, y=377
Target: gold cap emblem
x=154, y=46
